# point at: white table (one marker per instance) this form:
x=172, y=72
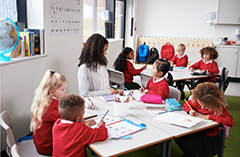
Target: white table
x=136, y=110
x=178, y=74
x=149, y=136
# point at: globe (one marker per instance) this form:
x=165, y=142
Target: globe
x=9, y=38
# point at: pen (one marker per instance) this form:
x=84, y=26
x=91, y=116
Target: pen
x=104, y=115
x=95, y=115
x=188, y=104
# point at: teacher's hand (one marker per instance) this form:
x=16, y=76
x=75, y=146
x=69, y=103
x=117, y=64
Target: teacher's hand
x=114, y=91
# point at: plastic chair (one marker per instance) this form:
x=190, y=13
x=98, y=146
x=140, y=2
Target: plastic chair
x=116, y=77
x=174, y=93
x=144, y=79
x=27, y=147
x=15, y=151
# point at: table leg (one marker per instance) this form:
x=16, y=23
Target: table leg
x=169, y=142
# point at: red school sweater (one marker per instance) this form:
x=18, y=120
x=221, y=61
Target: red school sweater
x=130, y=71
x=225, y=118
x=43, y=135
x=71, y=139
x=180, y=62
x=160, y=88
x=211, y=68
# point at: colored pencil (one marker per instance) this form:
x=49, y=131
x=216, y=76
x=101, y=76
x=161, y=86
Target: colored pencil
x=95, y=115
x=188, y=104
x=104, y=115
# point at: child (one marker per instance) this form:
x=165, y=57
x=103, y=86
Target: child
x=180, y=59
x=70, y=134
x=44, y=110
x=208, y=100
x=123, y=64
x=207, y=63
x=157, y=85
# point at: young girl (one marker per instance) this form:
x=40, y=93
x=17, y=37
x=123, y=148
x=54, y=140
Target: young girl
x=180, y=59
x=123, y=64
x=208, y=100
x=92, y=74
x=207, y=63
x=157, y=85
x=44, y=110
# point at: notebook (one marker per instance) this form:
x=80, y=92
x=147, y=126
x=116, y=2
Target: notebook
x=118, y=127
x=178, y=119
x=109, y=97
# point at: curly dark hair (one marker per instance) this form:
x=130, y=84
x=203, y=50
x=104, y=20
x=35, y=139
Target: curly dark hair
x=69, y=106
x=209, y=94
x=92, y=52
x=211, y=50
x=120, y=62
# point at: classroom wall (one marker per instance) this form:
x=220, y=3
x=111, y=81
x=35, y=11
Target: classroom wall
x=174, y=18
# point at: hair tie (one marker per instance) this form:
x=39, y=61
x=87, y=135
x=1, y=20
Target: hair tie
x=52, y=72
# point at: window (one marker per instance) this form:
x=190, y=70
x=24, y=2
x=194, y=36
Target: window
x=93, y=17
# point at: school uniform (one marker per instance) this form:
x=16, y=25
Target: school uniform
x=70, y=138
x=159, y=87
x=211, y=68
x=205, y=143
x=93, y=83
x=43, y=135
x=129, y=72
x=180, y=61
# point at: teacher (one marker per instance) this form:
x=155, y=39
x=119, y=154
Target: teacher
x=92, y=76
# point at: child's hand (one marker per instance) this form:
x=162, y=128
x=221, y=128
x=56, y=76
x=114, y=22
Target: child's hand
x=90, y=122
x=191, y=69
x=141, y=89
x=145, y=91
x=144, y=67
x=114, y=91
x=101, y=123
x=193, y=113
x=206, y=117
x=202, y=71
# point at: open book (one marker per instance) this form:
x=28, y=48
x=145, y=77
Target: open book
x=178, y=119
x=118, y=127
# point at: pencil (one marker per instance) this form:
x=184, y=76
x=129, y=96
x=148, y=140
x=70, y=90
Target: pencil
x=95, y=115
x=188, y=104
x=90, y=101
x=104, y=115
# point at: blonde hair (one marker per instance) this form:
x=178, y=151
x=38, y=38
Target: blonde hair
x=180, y=46
x=42, y=99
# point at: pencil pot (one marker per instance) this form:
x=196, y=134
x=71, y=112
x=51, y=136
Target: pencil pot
x=122, y=105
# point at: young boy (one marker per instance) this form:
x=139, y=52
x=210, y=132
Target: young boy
x=70, y=132
x=180, y=59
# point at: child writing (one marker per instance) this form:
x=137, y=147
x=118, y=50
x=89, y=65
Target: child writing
x=208, y=100
x=44, y=110
x=70, y=134
x=123, y=64
x=157, y=85
x=180, y=59
x=207, y=64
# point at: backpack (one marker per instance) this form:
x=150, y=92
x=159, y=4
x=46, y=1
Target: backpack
x=143, y=51
x=167, y=51
x=153, y=55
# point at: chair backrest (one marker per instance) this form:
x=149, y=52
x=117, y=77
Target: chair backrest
x=144, y=79
x=116, y=77
x=5, y=120
x=222, y=80
x=15, y=151
x=6, y=123
x=174, y=93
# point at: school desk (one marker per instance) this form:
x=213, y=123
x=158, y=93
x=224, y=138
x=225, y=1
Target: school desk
x=179, y=74
x=136, y=110
x=149, y=136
